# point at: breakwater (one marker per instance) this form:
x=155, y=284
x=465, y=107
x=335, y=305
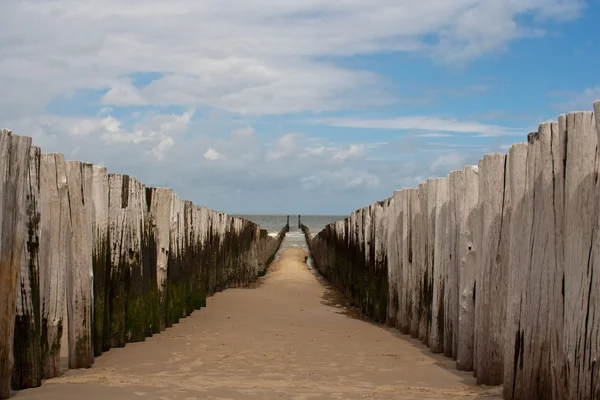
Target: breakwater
x=125, y=261
x=496, y=265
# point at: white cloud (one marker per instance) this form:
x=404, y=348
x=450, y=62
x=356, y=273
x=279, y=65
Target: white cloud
x=431, y=124
x=285, y=146
x=352, y=151
x=582, y=101
x=448, y=162
x=259, y=57
x=212, y=155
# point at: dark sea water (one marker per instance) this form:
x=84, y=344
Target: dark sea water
x=295, y=237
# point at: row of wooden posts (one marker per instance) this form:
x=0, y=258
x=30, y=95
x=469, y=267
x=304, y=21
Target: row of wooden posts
x=496, y=265
x=125, y=260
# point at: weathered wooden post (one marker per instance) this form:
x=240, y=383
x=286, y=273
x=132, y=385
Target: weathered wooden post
x=392, y=260
x=490, y=304
x=136, y=316
x=14, y=168
x=429, y=241
x=79, y=270
x=557, y=320
x=406, y=308
x=436, y=339
x=27, y=347
x=118, y=237
x=455, y=190
x=468, y=227
x=400, y=226
x=100, y=260
x=160, y=211
x=55, y=255
x=581, y=270
x=518, y=266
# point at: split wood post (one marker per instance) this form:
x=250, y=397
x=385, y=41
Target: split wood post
x=436, y=340
x=14, y=168
x=136, y=316
x=536, y=372
x=119, y=270
x=55, y=255
x=592, y=370
x=160, y=210
x=27, y=347
x=427, y=288
x=392, y=260
x=415, y=268
x=401, y=217
x=556, y=319
x=455, y=190
x=79, y=270
x=468, y=227
x=491, y=282
x=581, y=214
x=520, y=224
x=100, y=260
x=407, y=261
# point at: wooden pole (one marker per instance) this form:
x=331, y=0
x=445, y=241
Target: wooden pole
x=14, y=168
x=55, y=255
x=27, y=347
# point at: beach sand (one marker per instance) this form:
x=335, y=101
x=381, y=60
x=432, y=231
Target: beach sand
x=285, y=337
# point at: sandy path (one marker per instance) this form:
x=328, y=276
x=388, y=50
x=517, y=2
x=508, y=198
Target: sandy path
x=280, y=340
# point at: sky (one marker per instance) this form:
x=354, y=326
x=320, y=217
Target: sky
x=289, y=106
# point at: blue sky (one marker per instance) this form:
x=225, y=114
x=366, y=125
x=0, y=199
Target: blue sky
x=297, y=106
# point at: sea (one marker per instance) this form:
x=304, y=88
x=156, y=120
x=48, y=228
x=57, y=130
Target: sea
x=295, y=237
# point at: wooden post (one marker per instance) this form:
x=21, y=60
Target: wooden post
x=467, y=226
x=556, y=319
x=436, y=340
x=119, y=270
x=451, y=260
x=592, y=371
x=79, y=271
x=55, y=255
x=491, y=281
x=27, y=347
x=581, y=271
x=400, y=226
x=393, y=254
x=160, y=210
x=518, y=266
x=415, y=253
x=410, y=196
x=136, y=315
x=429, y=241
x=100, y=260
x=14, y=168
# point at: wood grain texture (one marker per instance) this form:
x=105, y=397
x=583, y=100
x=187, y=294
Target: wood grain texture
x=79, y=270
x=581, y=214
x=491, y=282
x=468, y=229
x=27, y=347
x=517, y=267
x=14, y=168
x=100, y=260
x=436, y=338
x=55, y=255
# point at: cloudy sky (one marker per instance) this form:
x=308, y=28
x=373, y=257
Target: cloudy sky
x=291, y=106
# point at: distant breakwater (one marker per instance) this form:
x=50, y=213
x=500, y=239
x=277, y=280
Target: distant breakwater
x=124, y=260
x=496, y=265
